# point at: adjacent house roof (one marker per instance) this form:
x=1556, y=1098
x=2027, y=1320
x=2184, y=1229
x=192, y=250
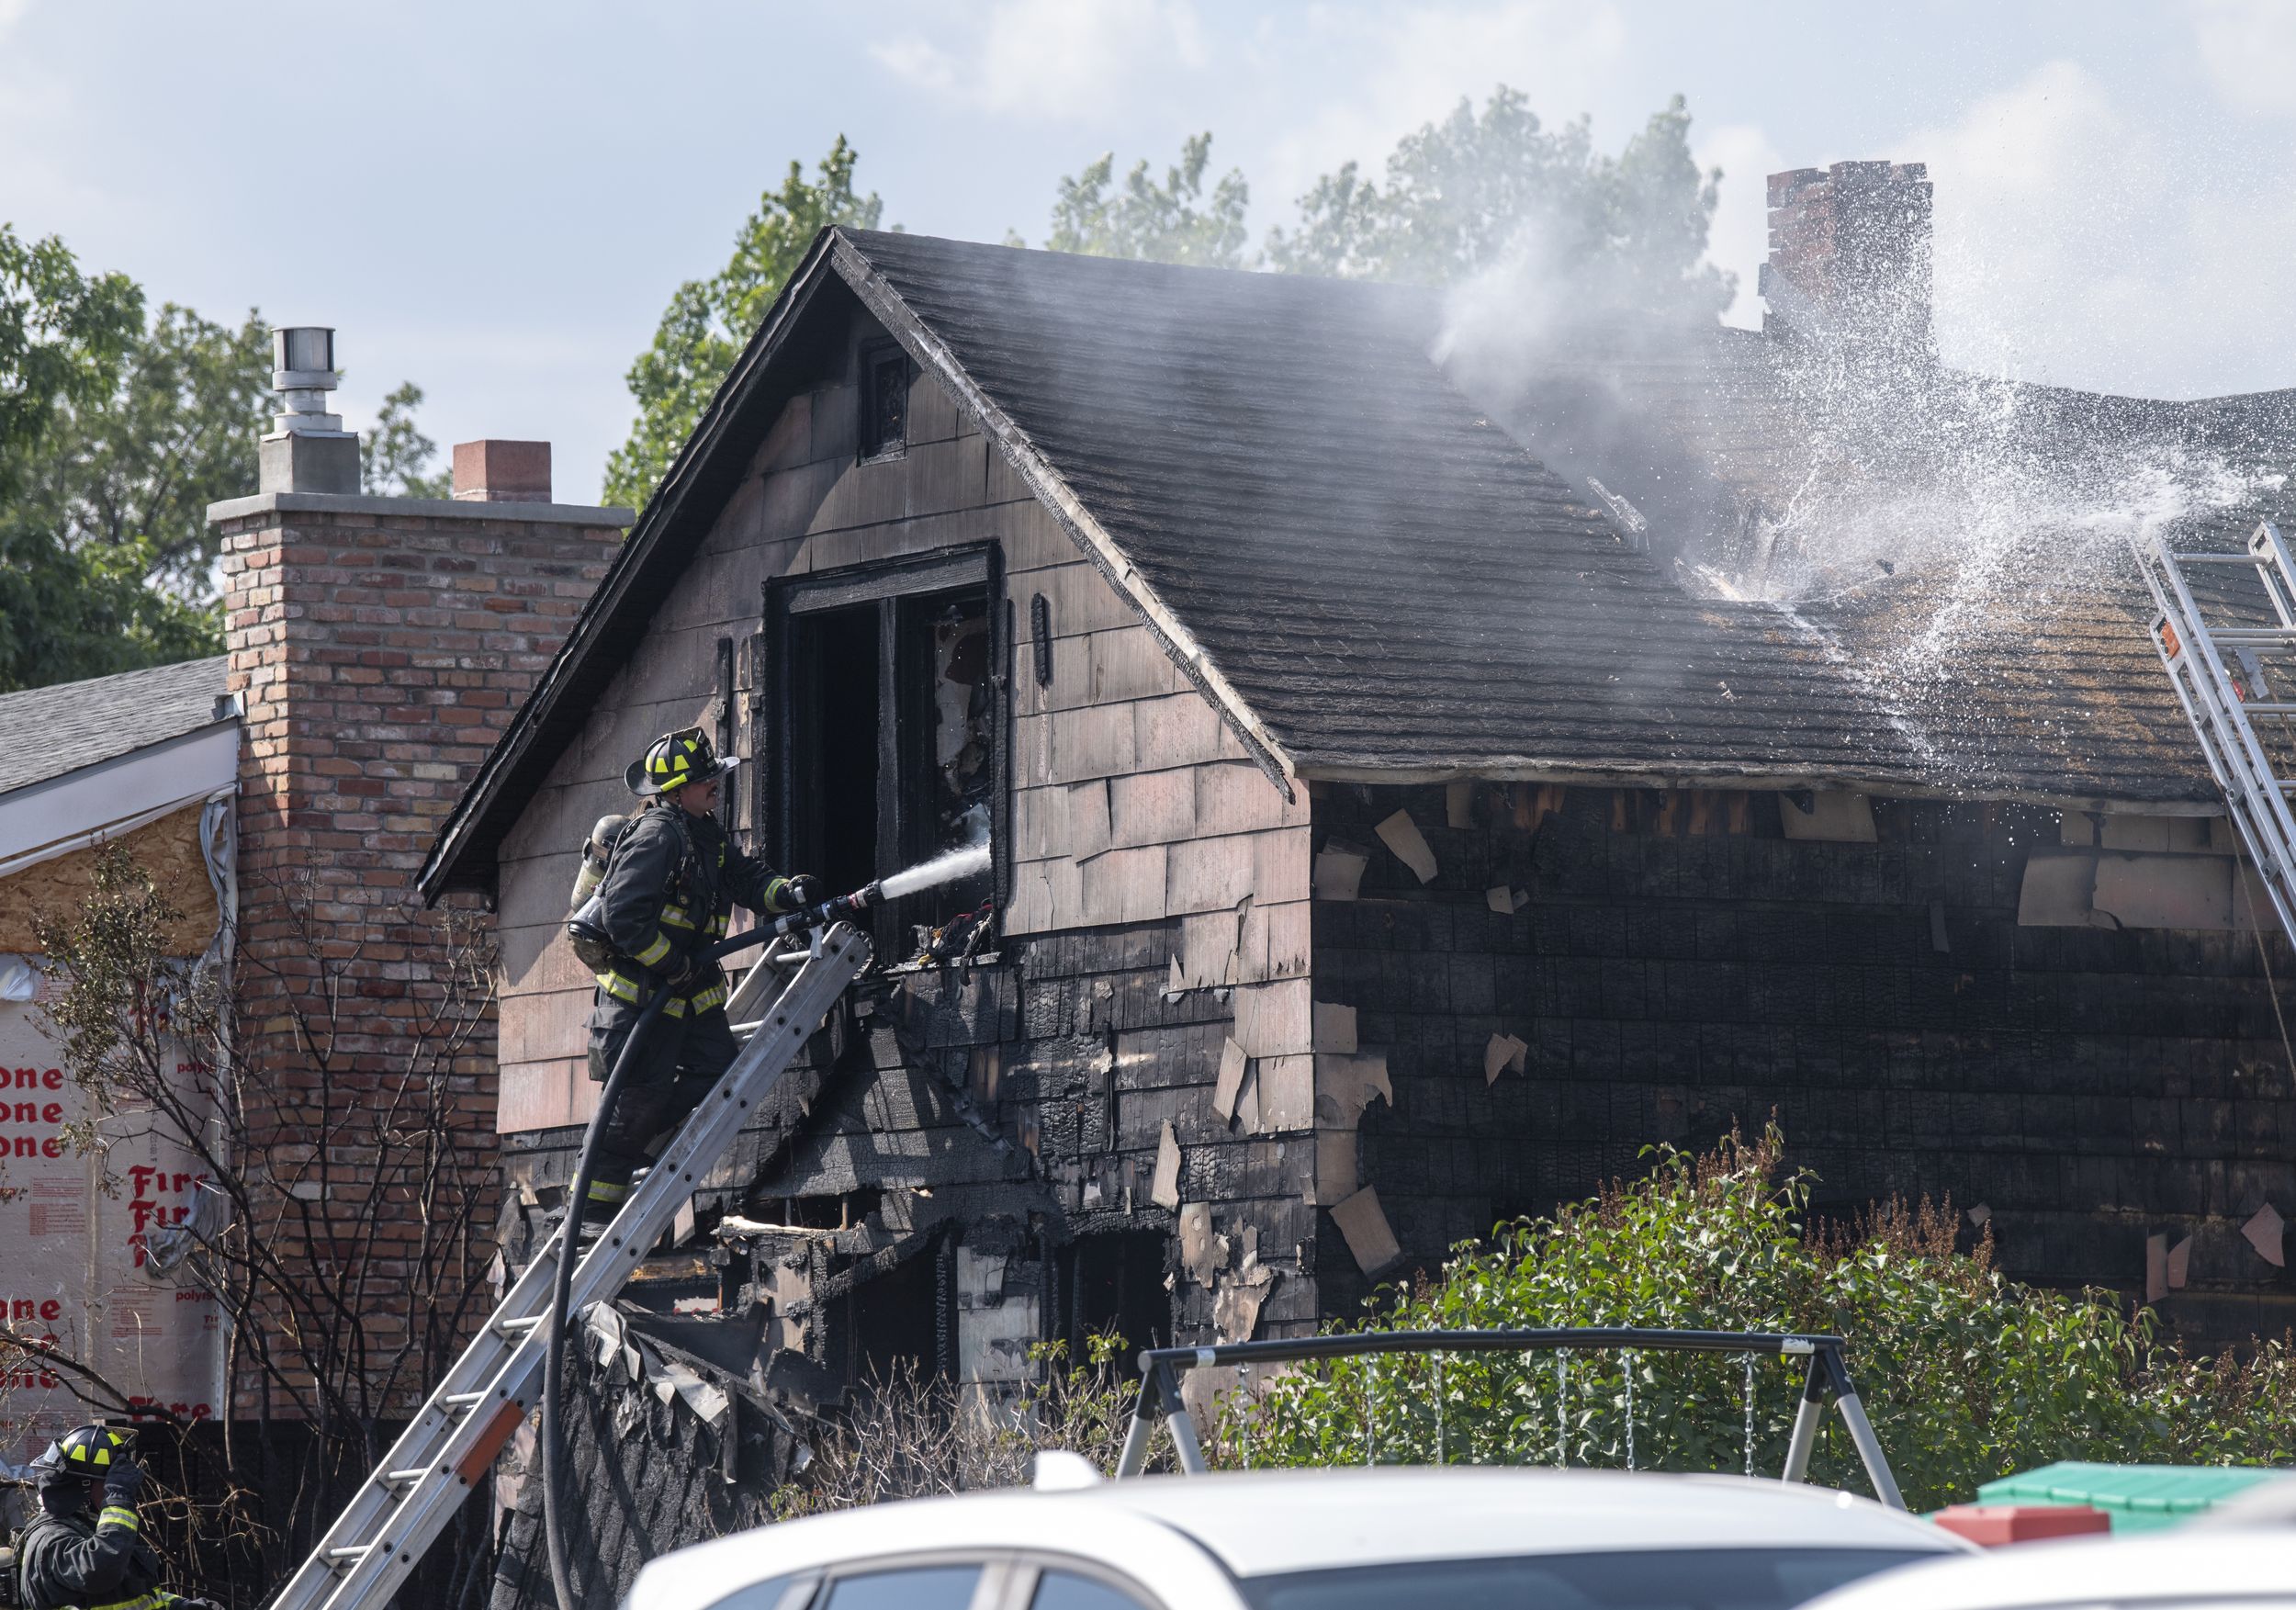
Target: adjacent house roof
x=1369, y=575
x=47, y=732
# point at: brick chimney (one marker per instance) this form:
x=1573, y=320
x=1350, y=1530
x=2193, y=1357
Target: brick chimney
x=1849, y=256
x=379, y=646
x=502, y=472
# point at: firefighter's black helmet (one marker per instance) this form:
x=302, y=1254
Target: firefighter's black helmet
x=677, y=759
x=87, y=1453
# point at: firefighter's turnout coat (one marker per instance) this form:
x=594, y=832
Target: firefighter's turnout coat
x=668, y=892
x=78, y=1561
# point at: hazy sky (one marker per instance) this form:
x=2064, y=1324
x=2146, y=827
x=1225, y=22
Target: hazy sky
x=496, y=200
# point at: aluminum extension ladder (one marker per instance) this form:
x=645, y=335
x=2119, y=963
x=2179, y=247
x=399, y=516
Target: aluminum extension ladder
x=2229, y=675
x=452, y=1443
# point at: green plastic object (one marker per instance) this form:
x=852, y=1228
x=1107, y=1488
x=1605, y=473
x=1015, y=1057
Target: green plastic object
x=2139, y=1498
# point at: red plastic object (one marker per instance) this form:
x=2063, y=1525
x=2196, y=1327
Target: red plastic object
x=1991, y=1525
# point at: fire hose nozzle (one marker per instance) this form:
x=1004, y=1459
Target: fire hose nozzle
x=834, y=909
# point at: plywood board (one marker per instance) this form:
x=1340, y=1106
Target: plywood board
x=167, y=851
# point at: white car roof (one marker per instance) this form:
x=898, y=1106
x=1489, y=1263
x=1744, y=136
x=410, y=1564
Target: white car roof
x=2181, y=1567
x=1265, y=1523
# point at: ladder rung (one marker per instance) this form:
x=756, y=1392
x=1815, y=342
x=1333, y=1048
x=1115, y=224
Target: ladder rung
x=402, y=1513
x=2250, y=636
x=2217, y=558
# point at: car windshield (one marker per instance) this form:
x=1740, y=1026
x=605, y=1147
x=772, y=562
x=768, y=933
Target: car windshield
x=1657, y=1578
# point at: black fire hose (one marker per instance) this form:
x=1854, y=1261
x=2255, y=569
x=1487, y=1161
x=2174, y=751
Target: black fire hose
x=577, y=1196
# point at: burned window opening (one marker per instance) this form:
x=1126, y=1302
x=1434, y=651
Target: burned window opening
x=892, y=746
x=884, y=402
x=835, y=739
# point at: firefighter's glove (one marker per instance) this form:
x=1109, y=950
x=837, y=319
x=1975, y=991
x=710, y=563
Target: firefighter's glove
x=784, y=896
x=123, y=1482
x=680, y=970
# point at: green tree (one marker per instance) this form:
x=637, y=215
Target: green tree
x=70, y=607
x=133, y=467
x=395, y=457
x=115, y=437
x=1466, y=194
x=708, y=321
x=1171, y=222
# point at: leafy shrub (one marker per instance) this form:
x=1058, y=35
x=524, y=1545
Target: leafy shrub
x=1966, y=1374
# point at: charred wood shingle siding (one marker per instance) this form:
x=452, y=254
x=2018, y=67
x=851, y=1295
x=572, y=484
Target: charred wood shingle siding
x=2089, y=1087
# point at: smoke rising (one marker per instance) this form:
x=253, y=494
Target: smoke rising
x=1834, y=468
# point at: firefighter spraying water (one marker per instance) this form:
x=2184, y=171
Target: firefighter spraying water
x=657, y=922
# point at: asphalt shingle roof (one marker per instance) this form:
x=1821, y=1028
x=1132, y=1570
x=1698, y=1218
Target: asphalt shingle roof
x=46, y=732
x=1389, y=580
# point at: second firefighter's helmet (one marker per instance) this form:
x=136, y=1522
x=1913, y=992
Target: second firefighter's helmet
x=91, y=1452
x=675, y=759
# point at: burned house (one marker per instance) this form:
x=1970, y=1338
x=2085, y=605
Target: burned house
x=1391, y=832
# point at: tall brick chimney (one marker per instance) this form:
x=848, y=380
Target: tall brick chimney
x=378, y=647
x=1849, y=256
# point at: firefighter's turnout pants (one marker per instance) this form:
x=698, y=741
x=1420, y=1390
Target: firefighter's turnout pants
x=667, y=894
x=677, y=1063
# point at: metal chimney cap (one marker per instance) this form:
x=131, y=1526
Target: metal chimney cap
x=303, y=358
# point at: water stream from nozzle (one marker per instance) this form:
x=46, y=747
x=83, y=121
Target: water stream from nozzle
x=930, y=875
